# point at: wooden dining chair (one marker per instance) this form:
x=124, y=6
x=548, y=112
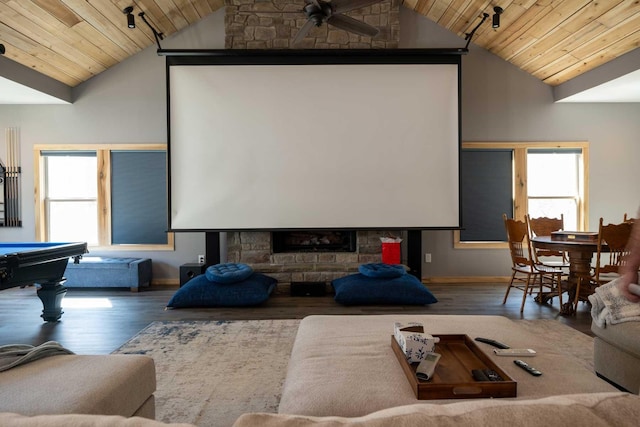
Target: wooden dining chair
x=525, y=271
x=611, y=251
x=544, y=226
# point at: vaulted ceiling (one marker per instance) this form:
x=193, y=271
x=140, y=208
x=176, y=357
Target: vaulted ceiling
x=553, y=40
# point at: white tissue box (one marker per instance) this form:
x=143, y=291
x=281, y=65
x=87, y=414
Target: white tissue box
x=415, y=345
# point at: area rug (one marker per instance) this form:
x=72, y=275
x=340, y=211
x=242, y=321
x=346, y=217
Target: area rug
x=211, y=372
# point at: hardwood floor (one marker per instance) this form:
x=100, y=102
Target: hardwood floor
x=91, y=329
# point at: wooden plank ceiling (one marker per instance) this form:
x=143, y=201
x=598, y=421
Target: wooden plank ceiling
x=553, y=40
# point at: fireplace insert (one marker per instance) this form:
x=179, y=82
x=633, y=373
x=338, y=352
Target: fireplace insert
x=313, y=241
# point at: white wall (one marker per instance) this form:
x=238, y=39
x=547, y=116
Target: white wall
x=126, y=104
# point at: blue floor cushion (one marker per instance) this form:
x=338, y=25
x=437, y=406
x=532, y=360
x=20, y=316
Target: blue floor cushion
x=381, y=270
x=202, y=292
x=229, y=272
x=358, y=289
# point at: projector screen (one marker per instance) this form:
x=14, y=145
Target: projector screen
x=319, y=142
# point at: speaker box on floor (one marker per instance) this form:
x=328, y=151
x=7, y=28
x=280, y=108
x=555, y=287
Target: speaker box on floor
x=308, y=289
x=189, y=271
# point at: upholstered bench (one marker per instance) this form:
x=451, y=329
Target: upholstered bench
x=345, y=366
x=81, y=384
x=98, y=272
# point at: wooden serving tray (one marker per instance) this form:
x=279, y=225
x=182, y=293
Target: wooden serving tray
x=580, y=236
x=452, y=378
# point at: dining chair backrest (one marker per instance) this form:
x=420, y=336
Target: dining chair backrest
x=544, y=226
x=612, y=248
x=518, y=240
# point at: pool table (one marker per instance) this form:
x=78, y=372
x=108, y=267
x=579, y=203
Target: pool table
x=43, y=264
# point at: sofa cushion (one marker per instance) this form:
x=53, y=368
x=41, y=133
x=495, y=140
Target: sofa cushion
x=229, y=272
x=622, y=335
x=358, y=289
x=79, y=420
x=381, y=270
x=113, y=384
x=201, y=292
x=592, y=409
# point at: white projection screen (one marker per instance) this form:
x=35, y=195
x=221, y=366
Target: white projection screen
x=315, y=141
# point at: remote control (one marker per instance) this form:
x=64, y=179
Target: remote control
x=634, y=288
x=426, y=368
x=514, y=352
x=494, y=343
x=486, y=375
x=526, y=367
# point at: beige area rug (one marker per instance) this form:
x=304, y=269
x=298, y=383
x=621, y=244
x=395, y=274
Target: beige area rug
x=209, y=373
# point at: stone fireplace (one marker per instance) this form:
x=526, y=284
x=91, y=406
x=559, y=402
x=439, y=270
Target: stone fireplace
x=255, y=248
x=313, y=241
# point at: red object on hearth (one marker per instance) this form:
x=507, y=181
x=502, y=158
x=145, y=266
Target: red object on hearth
x=391, y=253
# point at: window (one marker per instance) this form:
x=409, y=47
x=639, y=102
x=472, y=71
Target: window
x=554, y=184
x=71, y=197
x=110, y=196
x=539, y=178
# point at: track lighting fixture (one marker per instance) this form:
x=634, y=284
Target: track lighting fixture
x=158, y=36
x=496, y=16
x=131, y=20
x=2, y=51
x=131, y=23
x=468, y=36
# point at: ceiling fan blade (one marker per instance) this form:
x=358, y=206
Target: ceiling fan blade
x=352, y=25
x=302, y=33
x=341, y=6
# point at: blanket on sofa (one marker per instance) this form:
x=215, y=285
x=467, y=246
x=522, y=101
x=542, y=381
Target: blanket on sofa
x=609, y=306
x=13, y=355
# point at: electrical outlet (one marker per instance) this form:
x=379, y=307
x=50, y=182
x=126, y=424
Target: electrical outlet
x=201, y=259
x=427, y=257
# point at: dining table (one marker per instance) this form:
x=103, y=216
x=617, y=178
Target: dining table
x=580, y=251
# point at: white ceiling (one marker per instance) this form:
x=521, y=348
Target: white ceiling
x=15, y=93
x=622, y=89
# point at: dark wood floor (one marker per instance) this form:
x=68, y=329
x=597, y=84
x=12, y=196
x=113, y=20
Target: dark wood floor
x=101, y=330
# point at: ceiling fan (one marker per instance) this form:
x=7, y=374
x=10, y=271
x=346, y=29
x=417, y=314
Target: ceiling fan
x=331, y=12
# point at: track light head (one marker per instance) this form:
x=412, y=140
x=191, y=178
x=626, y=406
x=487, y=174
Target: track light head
x=131, y=20
x=2, y=51
x=496, y=16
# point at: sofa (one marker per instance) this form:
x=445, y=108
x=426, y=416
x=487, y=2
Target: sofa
x=588, y=409
x=112, y=384
x=616, y=356
x=328, y=384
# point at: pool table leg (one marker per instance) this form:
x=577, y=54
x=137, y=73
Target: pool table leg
x=51, y=294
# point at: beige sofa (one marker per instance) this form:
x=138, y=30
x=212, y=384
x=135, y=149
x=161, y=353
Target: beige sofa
x=595, y=409
x=327, y=386
x=616, y=354
x=81, y=384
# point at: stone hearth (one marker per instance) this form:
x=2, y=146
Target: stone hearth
x=255, y=249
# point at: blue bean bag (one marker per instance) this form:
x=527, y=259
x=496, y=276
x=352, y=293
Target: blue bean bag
x=201, y=292
x=230, y=272
x=358, y=289
x=381, y=270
